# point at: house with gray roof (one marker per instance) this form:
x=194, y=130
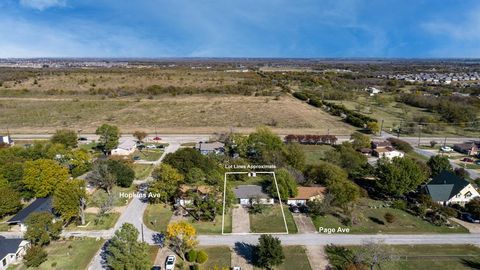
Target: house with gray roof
x=448, y=188
x=210, y=147
x=11, y=251
x=39, y=205
x=251, y=194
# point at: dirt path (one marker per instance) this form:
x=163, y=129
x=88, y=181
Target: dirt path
x=240, y=220
x=317, y=257
x=304, y=223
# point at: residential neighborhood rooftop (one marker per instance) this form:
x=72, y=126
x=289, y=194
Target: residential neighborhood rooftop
x=305, y=193
x=445, y=185
x=249, y=191
x=8, y=246
x=39, y=205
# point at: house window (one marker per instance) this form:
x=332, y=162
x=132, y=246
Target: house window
x=468, y=194
x=4, y=262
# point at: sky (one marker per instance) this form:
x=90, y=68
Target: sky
x=240, y=28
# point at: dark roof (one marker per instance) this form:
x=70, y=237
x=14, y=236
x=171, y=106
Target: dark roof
x=39, y=205
x=445, y=186
x=249, y=191
x=9, y=246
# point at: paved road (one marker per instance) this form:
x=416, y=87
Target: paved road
x=473, y=174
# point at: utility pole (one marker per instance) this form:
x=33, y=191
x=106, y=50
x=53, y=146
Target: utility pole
x=381, y=128
x=419, y=134
x=143, y=240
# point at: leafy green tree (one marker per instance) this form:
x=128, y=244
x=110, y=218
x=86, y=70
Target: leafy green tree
x=473, y=207
x=43, y=175
x=264, y=145
x=287, y=186
x=348, y=158
x=195, y=175
x=269, y=252
x=66, y=137
x=295, y=156
x=399, y=176
x=360, y=140
x=109, y=136
x=122, y=172
x=69, y=200
x=124, y=251
x=41, y=229
x=79, y=162
x=438, y=164
x=102, y=177
x=323, y=173
x=166, y=183
x=186, y=159
x=35, y=256
x=9, y=201
x=321, y=207
x=373, y=127
x=345, y=192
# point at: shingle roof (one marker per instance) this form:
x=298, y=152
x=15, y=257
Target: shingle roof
x=305, y=193
x=39, y=205
x=445, y=186
x=8, y=246
x=209, y=146
x=249, y=191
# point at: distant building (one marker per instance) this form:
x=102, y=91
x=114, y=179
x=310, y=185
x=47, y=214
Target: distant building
x=373, y=91
x=210, y=147
x=6, y=140
x=387, y=152
x=39, y=205
x=185, y=192
x=125, y=148
x=306, y=194
x=251, y=194
x=448, y=188
x=381, y=144
x=12, y=251
x=469, y=148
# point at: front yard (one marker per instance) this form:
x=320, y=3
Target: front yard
x=213, y=227
x=271, y=221
x=157, y=216
x=295, y=258
x=106, y=222
x=371, y=220
x=219, y=257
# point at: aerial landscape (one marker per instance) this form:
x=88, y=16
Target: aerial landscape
x=339, y=135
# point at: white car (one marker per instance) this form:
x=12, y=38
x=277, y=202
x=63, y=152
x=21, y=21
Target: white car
x=170, y=262
x=446, y=149
x=237, y=268
x=151, y=146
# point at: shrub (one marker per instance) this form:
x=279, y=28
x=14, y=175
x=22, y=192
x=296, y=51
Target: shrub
x=300, y=95
x=195, y=267
x=202, y=257
x=192, y=255
x=389, y=217
x=35, y=256
x=399, y=204
x=401, y=145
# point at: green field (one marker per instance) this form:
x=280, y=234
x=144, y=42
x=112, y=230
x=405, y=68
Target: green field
x=68, y=254
x=106, y=223
x=371, y=220
x=295, y=258
x=148, y=155
x=215, y=227
x=315, y=153
x=157, y=216
x=142, y=171
x=271, y=221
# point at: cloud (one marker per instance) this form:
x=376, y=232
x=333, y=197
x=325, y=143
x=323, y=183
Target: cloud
x=42, y=4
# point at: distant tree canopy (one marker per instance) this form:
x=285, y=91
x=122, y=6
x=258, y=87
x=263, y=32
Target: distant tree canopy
x=43, y=175
x=399, y=176
x=360, y=140
x=287, y=187
x=66, y=137
x=195, y=166
x=124, y=251
x=69, y=199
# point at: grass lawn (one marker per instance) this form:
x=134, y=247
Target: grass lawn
x=148, y=154
x=68, y=254
x=372, y=221
x=108, y=222
x=100, y=195
x=314, y=153
x=152, y=251
x=217, y=257
x=271, y=221
x=142, y=171
x=3, y=226
x=458, y=257
x=157, y=216
x=208, y=227
x=295, y=258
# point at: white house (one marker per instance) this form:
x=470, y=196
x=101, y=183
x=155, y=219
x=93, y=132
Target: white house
x=373, y=91
x=448, y=188
x=306, y=194
x=125, y=148
x=251, y=194
x=7, y=140
x=11, y=251
x=388, y=152
x=184, y=197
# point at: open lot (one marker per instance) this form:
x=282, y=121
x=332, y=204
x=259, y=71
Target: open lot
x=167, y=114
x=68, y=254
x=107, y=222
x=371, y=220
x=142, y=171
x=271, y=221
x=157, y=216
x=314, y=153
x=148, y=155
x=295, y=258
x=217, y=257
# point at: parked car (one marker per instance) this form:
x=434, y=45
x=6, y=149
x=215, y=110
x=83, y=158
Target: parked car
x=294, y=208
x=156, y=267
x=82, y=139
x=140, y=146
x=170, y=262
x=151, y=146
x=236, y=268
x=446, y=149
x=136, y=158
x=467, y=159
x=160, y=146
x=469, y=218
x=477, y=162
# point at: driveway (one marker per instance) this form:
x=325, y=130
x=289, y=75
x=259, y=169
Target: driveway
x=304, y=223
x=471, y=227
x=162, y=255
x=240, y=219
x=317, y=257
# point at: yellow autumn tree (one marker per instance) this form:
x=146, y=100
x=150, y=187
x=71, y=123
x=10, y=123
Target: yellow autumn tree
x=182, y=237
x=42, y=176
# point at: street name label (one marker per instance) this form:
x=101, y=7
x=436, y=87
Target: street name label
x=330, y=230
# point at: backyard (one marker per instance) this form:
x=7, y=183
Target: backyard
x=271, y=221
x=370, y=219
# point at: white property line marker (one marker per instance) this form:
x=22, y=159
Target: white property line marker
x=279, y=199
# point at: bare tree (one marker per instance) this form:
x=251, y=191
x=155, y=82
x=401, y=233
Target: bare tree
x=373, y=254
x=102, y=177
